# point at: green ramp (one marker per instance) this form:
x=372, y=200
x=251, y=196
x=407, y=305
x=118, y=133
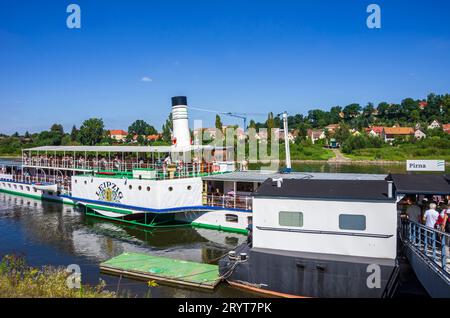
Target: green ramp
x=163, y=269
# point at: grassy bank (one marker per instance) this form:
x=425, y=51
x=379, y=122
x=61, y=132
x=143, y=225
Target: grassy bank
x=400, y=153
x=18, y=280
x=307, y=152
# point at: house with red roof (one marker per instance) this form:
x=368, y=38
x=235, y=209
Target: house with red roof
x=375, y=131
x=118, y=134
x=446, y=128
x=423, y=104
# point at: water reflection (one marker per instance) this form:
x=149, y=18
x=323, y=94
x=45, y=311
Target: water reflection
x=51, y=233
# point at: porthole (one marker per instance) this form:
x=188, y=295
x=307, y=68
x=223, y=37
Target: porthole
x=15, y=186
x=76, y=181
x=189, y=187
x=21, y=187
x=35, y=190
x=85, y=182
x=130, y=187
x=170, y=189
x=148, y=188
x=139, y=188
x=28, y=188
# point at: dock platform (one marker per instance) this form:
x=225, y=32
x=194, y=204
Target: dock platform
x=164, y=270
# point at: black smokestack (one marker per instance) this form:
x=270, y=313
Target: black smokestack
x=179, y=100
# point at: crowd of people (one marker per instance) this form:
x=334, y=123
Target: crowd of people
x=431, y=211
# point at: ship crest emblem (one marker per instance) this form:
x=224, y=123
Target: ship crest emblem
x=110, y=192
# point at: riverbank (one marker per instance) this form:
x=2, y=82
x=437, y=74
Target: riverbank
x=18, y=280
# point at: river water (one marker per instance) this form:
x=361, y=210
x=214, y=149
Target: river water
x=48, y=233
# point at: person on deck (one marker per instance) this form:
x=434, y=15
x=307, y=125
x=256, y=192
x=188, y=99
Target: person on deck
x=413, y=211
x=431, y=216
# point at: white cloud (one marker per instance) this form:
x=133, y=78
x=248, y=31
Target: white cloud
x=146, y=79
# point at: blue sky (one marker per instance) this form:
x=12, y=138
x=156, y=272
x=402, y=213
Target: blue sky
x=241, y=56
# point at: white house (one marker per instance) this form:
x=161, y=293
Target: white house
x=418, y=134
x=435, y=124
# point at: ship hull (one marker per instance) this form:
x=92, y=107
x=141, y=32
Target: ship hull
x=295, y=274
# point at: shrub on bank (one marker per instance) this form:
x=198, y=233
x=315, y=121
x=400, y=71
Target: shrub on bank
x=18, y=280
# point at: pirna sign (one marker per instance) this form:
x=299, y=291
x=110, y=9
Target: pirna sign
x=425, y=165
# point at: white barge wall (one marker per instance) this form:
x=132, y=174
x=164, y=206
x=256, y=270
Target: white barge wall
x=323, y=215
x=153, y=194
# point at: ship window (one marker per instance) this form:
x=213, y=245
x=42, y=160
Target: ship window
x=148, y=188
x=130, y=187
x=139, y=188
x=28, y=188
x=233, y=218
x=21, y=187
x=189, y=187
x=76, y=181
x=352, y=222
x=170, y=189
x=85, y=182
x=286, y=218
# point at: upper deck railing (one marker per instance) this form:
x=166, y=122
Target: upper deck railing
x=162, y=169
x=430, y=243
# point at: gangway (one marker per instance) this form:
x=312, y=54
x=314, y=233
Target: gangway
x=427, y=252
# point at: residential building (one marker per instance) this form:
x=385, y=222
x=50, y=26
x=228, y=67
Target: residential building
x=118, y=134
x=446, y=128
x=435, y=124
x=390, y=133
x=374, y=131
x=316, y=134
x=419, y=134
x=423, y=104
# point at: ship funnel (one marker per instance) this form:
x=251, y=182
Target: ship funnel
x=181, y=134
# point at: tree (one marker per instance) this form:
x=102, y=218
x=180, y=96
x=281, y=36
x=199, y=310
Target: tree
x=351, y=111
x=167, y=129
x=252, y=124
x=140, y=127
x=342, y=133
x=91, y=131
x=74, y=133
x=270, y=124
x=219, y=125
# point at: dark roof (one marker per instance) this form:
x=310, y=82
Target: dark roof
x=326, y=189
x=421, y=183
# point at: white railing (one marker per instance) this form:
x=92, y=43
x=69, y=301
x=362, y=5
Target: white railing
x=242, y=202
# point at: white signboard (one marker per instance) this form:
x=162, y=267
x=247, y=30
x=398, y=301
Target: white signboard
x=425, y=165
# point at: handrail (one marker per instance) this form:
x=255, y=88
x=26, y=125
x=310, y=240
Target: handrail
x=431, y=243
x=242, y=202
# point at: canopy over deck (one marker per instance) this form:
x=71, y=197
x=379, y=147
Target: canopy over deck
x=119, y=149
x=433, y=184
x=261, y=176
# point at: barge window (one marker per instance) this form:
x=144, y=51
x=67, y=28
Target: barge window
x=231, y=218
x=352, y=222
x=290, y=219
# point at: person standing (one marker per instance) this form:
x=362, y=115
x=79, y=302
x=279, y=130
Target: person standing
x=431, y=216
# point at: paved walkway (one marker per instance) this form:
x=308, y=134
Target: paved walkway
x=339, y=157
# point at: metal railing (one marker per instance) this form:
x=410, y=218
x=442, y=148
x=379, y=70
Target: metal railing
x=163, y=170
x=241, y=202
x=64, y=184
x=431, y=243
